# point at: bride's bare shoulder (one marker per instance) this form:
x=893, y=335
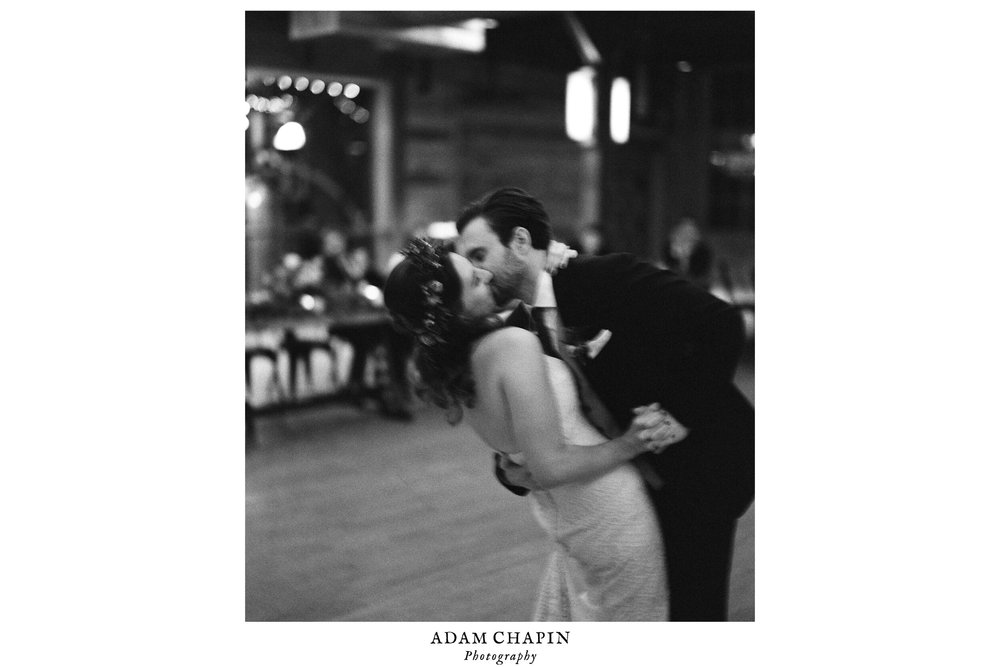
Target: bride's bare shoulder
x=504, y=342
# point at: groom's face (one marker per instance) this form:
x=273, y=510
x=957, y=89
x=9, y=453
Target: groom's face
x=481, y=246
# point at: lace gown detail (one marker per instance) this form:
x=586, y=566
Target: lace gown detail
x=608, y=562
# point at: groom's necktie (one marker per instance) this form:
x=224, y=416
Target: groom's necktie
x=549, y=330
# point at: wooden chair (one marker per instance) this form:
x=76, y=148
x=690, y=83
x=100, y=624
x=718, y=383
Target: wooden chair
x=300, y=353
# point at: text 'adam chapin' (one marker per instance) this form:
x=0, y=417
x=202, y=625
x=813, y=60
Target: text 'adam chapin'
x=501, y=637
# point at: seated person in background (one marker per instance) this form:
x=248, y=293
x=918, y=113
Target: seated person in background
x=591, y=241
x=358, y=267
x=303, y=264
x=351, y=266
x=334, y=247
x=347, y=265
x=688, y=254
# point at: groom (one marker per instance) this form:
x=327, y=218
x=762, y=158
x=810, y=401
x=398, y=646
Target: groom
x=671, y=342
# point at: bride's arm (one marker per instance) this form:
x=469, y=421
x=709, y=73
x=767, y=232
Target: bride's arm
x=514, y=359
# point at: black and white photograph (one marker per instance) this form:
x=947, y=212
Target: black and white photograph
x=499, y=316
x=515, y=391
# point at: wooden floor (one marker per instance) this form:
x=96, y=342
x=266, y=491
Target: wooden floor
x=351, y=517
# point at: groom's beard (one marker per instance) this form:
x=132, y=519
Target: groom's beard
x=508, y=281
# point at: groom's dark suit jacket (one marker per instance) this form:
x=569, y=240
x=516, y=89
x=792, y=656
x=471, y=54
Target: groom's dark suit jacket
x=673, y=343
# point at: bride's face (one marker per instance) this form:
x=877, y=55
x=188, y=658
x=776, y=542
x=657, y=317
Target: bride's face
x=477, y=297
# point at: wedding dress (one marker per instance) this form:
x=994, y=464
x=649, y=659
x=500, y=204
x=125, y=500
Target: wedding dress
x=608, y=562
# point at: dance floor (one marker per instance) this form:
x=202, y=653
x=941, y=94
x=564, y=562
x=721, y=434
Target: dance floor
x=352, y=517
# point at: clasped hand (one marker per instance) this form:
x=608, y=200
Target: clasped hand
x=655, y=428
x=652, y=428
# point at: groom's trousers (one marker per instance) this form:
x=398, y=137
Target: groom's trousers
x=699, y=555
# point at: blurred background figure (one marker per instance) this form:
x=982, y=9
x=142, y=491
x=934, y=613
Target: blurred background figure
x=397, y=396
x=334, y=259
x=689, y=254
x=388, y=349
x=357, y=265
x=591, y=241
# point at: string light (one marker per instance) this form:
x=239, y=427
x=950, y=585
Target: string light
x=274, y=105
x=267, y=105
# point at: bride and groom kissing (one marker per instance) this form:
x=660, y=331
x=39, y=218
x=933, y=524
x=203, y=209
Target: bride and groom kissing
x=636, y=453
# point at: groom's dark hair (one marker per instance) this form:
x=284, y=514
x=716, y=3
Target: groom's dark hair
x=506, y=209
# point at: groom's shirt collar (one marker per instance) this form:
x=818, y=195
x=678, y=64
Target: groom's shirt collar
x=545, y=294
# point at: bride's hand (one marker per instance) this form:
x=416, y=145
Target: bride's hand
x=558, y=256
x=516, y=474
x=656, y=428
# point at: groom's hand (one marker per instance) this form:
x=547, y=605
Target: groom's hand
x=657, y=428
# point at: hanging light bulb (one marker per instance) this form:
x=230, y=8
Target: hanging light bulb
x=290, y=137
x=621, y=109
x=581, y=105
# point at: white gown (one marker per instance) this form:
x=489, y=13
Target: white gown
x=608, y=562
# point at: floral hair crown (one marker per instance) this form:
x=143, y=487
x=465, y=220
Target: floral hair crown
x=428, y=261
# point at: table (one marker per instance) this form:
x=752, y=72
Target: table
x=294, y=336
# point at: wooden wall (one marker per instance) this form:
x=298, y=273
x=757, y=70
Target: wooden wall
x=464, y=125
x=461, y=140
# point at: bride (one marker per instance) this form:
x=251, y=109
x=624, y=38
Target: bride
x=607, y=562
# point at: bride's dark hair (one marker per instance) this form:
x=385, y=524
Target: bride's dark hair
x=424, y=295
